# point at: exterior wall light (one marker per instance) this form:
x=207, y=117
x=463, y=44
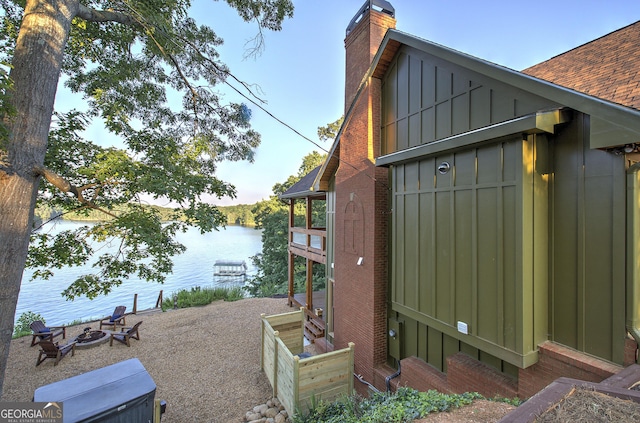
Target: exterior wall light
x=444, y=167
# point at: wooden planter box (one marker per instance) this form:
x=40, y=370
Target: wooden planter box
x=298, y=381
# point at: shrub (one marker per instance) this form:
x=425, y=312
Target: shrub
x=198, y=296
x=22, y=325
x=405, y=405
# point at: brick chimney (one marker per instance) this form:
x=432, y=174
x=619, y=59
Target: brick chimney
x=362, y=203
x=364, y=35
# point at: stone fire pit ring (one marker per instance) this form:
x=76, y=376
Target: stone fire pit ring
x=90, y=338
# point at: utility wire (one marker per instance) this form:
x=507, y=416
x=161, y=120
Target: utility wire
x=170, y=38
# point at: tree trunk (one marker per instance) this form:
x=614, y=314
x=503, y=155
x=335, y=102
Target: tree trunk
x=36, y=69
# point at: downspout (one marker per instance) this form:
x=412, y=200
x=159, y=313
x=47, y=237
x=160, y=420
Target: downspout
x=633, y=252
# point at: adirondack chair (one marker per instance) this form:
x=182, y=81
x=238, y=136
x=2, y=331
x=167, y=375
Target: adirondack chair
x=126, y=334
x=42, y=332
x=117, y=318
x=50, y=350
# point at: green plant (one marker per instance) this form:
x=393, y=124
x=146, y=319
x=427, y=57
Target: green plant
x=405, y=405
x=22, y=325
x=512, y=401
x=198, y=296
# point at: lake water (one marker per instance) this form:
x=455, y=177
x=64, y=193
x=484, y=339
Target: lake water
x=192, y=268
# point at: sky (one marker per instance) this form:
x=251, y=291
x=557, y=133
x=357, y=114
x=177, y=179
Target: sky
x=301, y=71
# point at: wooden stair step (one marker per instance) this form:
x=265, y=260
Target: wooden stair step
x=313, y=331
x=316, y=331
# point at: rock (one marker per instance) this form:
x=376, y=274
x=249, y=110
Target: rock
x=251, y=416
x=262, y=409
x=271, y=413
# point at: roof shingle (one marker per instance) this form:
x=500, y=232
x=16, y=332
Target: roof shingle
x=608, y=67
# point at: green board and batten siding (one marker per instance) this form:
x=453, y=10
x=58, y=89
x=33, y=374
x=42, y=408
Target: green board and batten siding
x=587, y=279
x=463, y=250
x=473, y=245
x=427, y=99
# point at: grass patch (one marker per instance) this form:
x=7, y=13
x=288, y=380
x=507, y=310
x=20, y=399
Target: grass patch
x=198, y=296
x=404, y=405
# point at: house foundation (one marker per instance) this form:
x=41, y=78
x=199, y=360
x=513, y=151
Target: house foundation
x=465, y=374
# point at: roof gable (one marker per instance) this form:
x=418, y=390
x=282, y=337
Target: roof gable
x=607, y=68
x=612, y=124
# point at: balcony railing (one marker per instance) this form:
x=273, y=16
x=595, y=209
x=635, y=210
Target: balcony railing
x=310, y=243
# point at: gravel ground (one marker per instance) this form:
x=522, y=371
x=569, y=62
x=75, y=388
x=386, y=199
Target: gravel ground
x=205, y=361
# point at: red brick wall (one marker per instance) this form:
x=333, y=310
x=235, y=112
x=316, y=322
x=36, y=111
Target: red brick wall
x=360, y=300
x=556, y=361
x=630, y=352
x=361, y=45
x=417, y=374
x=466, y=374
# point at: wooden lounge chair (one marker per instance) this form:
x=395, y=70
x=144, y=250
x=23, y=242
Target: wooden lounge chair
x=117, y=318
x=126, y=334
x=50, y=350
x=42, y=332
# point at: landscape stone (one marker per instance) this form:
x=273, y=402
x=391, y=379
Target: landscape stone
x=262, y=409
x=271, y=413
x=251, y=417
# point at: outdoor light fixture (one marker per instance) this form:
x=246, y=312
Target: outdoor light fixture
x=444, y=168
x=392, y=333
x=359, y=262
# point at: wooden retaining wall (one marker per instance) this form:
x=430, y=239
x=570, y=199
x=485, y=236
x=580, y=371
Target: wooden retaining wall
x=296, y=381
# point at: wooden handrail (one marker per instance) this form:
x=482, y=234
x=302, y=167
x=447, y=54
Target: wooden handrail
x=309, y=233
x=318, y=232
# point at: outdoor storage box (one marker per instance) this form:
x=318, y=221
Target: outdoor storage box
x=122, y=392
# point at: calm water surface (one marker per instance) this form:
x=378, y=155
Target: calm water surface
x=192, y=268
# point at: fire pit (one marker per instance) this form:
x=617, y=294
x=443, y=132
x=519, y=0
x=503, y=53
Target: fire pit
x=90, y=338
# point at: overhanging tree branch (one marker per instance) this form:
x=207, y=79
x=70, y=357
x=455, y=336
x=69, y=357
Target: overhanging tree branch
x=93, y=15
x=65, y=186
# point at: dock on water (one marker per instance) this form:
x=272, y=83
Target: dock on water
x=229, y=268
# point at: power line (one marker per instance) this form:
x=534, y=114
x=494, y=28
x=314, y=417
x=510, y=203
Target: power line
x=170, y=38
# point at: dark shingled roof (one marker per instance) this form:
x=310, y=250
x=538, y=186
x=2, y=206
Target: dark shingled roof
x=608, y=67
x=304, y=187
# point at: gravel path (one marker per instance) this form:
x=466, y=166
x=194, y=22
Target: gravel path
x=205, y=361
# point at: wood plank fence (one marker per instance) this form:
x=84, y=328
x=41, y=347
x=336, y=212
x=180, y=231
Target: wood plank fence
x=296, y=381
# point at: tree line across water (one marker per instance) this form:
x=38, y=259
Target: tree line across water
x=241, y=214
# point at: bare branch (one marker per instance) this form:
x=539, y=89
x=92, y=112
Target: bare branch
x=258, y=44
